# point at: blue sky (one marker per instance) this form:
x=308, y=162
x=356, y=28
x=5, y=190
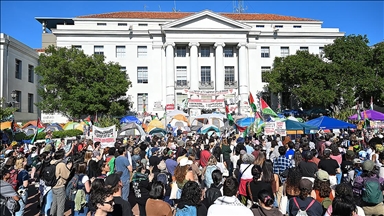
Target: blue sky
x=351, y=17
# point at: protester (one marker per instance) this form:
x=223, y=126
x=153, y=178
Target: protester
x=304, y=202
x=155, y=205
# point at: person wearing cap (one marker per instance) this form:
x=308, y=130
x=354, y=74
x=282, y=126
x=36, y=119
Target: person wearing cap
x=322, y=188
x=304, y=201
x=122, y=165
x=183, y=174
x=330, y=166
x=154, y=160
x=114, y=183
x=170, y=162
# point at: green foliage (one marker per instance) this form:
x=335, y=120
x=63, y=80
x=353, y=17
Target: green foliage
x=107, y=121
x=75, y=84
x=57, y=134
x=5, y=111
x=345, y=114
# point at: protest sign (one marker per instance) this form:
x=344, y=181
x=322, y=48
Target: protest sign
x=269, y=128
x=106, y=136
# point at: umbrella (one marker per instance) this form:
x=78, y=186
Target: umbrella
x=129, y=119
x=371, y=114
x=177, y=112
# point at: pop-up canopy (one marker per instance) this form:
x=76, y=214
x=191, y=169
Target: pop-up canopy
x=325, y=122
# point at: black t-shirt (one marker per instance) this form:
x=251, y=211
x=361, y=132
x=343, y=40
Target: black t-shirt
x=154, y=161
x=256, y=187
x=346, y=166
x=121, y=207
x=329, y=165
x=307, y=169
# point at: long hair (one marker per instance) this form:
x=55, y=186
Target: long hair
x=343, y=206
x=180, y=173
x=260, y=159
x=324, y=187
x=191, y=193
x=293, y=179
x=268, y=175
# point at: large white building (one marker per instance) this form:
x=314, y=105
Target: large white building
x=17, y=75
x=206, y=57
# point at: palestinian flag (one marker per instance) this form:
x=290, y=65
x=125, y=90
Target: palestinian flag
x=241, y=129
x=88, y=121
x=251, y=102
x=371, y=105
x=367, y=123
x=40, y=128
x=229, y=116
x=265, y=109
x=358, y=111
x=96, y=121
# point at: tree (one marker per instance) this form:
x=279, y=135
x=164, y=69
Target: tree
x=378, y=67
x=5, y=110
x=75, y=84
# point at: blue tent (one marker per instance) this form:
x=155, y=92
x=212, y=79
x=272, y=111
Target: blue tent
x=325, y=122
x=129, y=119
x=298, y=126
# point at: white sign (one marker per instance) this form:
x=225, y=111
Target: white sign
x=106, y=136
x=209, y=92
x=280, y=128
x=269, y=128
x=205, y=104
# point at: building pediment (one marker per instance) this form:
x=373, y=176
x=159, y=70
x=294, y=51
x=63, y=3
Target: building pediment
x=206, y=20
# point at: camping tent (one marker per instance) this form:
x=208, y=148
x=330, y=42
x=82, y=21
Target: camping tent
x=325, y=122
x=371, y=114
x=176, y=112
x=245, y=122
x=131, y=129
x=208, y=119
x=30, y=130
x=129, y=119
x=155, y=123
x=158, y=132
x=53, y=127
x=209, y=129
x=179, y=120
x=74, y=125
x=34, y=123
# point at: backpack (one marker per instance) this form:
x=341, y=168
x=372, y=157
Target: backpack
x=163, y=178
x=211, y=195
x=208, y=175
x=13, y=178
x=49, y=175
x=372, y=192
x=73, y=186
x=11, y=204
x=303, y=212
x=186, y=211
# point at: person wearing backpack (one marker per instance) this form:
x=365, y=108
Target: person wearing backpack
x=323, y=192
x=207, y=171
x=371, y=189
x=61, y=174
x=216, y=189
x=9, y=199
x=78, y=189
x=304, y=204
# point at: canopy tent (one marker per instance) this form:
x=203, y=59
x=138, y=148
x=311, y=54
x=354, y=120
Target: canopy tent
x=53, y=127
x=177, y=112
x=371, y=114
x=325, y=122
x=74, y=125
x=294, y=127
x=246, y=122
x=129, y=119
x=7, y=125
x=158, y=132
x=131, y=129
x=155, y=123
x=209, y=129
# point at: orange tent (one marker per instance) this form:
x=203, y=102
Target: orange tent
x=34, y=123
x=7, y=125
x=179, y=117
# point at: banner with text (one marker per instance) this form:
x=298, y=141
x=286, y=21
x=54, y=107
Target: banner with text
x=206, y=104
x=209, y=93
x=269, y=128
x=280, y=128
x=106, y=136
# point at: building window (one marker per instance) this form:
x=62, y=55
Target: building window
x=304, y=49
x=297, y=26
x=229, y=74
x=101, y=24
x=321, y=50
x=18, y=99
x=31, y=73
x=142, y=102
x=30, y=103
x=143, y=24
x=122, y=24
x=142, y=74
x=284, y=51
x=18, y=69
x=264, y=52
x=228, y=51
x=181, y=76
x=278, y=26
x=205, y=51
x=98, y=50
x=263, y=71
x=123, y=69
x=120, y=51
x=141, y=51
x=76, y=47
x=181, y=51
x=205, y=74
x=259, y=26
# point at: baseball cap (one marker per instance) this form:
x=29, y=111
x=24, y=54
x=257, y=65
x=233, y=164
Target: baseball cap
x=113, y=179
x=185, y=161
x=240, y=140
x=350, y=153
x=305, y=184
x=368, y=165
x=154, y=149
x=322, y=175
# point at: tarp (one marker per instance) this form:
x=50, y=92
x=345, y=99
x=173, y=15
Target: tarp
x=325, y=122
x=129, y=119
x=133, y=128
x=155, y=123
x=177, y=112
x=371, y=114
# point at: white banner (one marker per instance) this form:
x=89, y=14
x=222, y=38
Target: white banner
x=269, y=128
x=106, y=136
x=280, y=128
x=209, y=92
x=206, y=104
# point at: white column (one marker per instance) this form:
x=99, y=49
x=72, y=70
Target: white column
x=170, y=78
x=219, y=66
x=194, y=70
x=243, y=76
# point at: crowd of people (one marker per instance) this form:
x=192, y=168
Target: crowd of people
x=331, y=174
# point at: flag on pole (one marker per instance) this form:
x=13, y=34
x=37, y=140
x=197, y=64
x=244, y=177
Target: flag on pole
x=265, y=109
x=40, y=128
x=229, y=116
x=366, y=120
x=358, y=111
x=251, y=102
x=88, y=120
x=13, y=126
x=96, y=120
x=241, y=129
x=371, y=106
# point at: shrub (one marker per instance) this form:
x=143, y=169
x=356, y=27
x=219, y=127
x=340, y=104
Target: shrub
x=57, y=134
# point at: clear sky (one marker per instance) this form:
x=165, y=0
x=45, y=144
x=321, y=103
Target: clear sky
x=351, y=17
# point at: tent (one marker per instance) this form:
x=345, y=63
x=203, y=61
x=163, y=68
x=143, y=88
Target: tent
x=129, y=119
x=294, y=127
x=131, y=129
x=325, y=122
x=34, y=123
x=158, y=132
x=371, y=114
x=53, y=127
x=155, y=123
x=208, y=119
x=30, y=130
x=245, y=122
x=6, y=125
x=177, y=112
x=209, y=129
x=179, y=120
x=74, y=125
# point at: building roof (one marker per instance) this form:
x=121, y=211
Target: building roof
x=40, y=50
x=179, y=15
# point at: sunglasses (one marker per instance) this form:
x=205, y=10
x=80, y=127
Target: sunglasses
x=110, y=202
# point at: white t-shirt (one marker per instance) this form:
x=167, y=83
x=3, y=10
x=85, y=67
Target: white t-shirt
x=84, y=179
x=248, y=173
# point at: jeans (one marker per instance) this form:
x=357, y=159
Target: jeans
x=23, y=203
x=84, y=210
x=46, y=204
x=58, y=201
x=125, y=191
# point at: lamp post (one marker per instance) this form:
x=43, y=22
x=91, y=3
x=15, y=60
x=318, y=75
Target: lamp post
x=13, y=103
x=144, y=106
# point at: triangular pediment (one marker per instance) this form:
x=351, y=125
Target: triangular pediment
x=206, y=20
